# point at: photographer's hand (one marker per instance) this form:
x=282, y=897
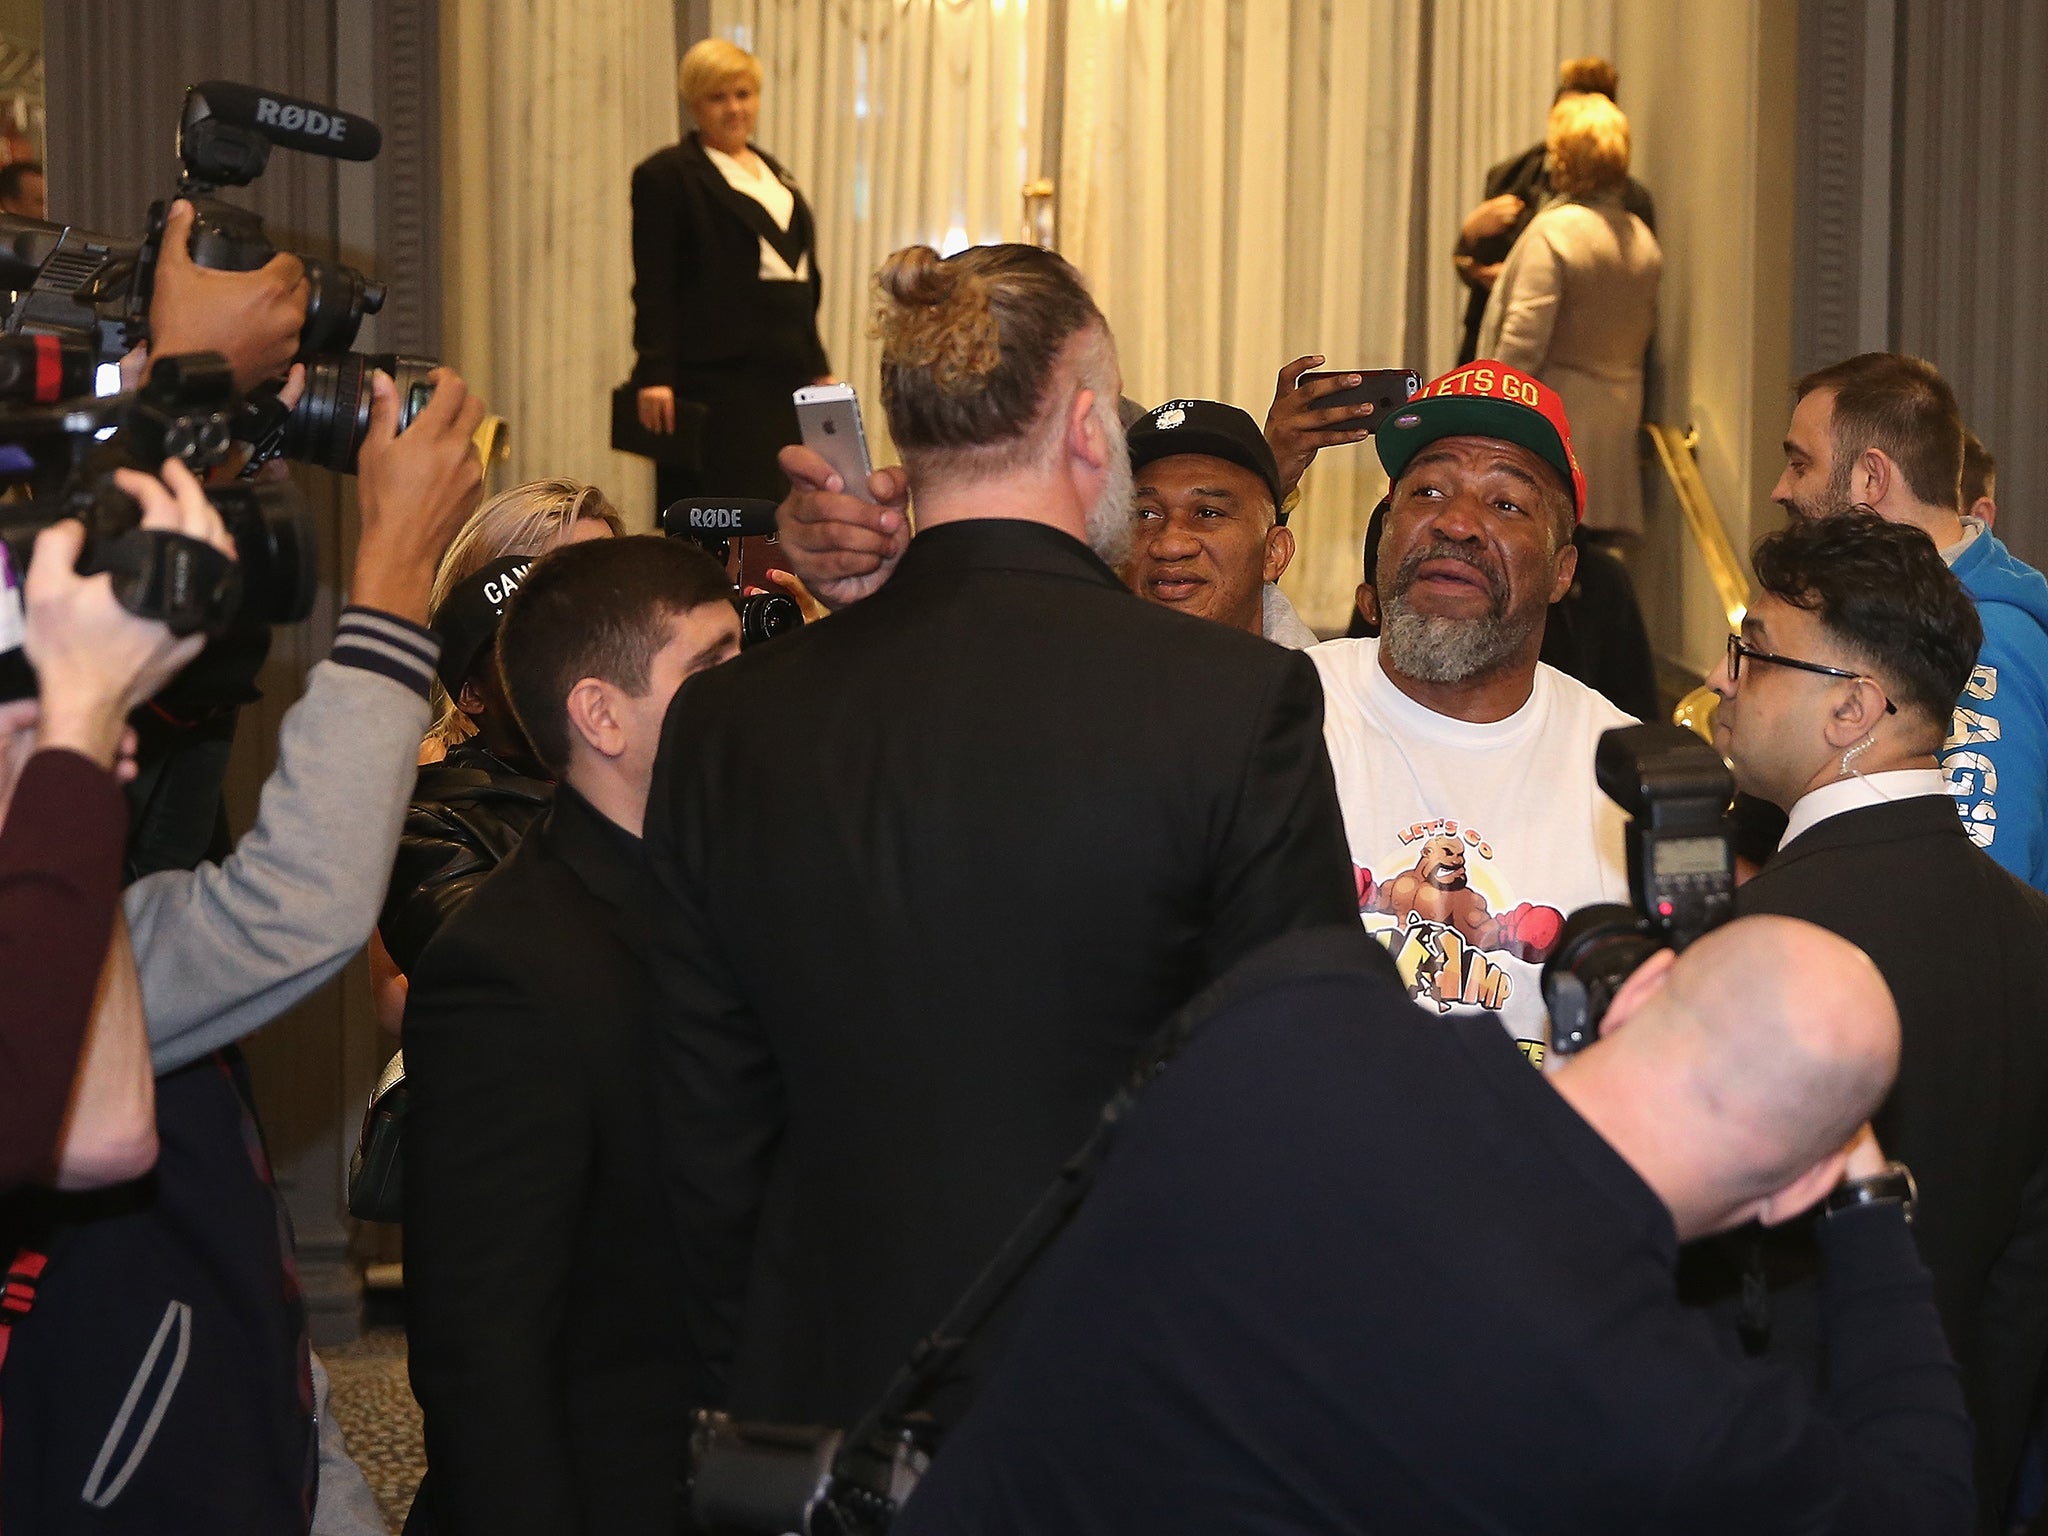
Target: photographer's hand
x=414, y=489
x=253, y=319
x=840, y=546
x=94, y=660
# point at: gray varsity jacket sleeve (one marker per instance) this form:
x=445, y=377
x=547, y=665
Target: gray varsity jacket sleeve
x=225, y=948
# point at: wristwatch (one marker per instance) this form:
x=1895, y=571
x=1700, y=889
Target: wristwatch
x=1894, y=1185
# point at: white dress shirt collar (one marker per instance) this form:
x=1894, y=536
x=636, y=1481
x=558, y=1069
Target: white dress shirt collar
x=1858, y=791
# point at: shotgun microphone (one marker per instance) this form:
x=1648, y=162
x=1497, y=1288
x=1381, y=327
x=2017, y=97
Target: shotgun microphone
x=709, y=518
x=285, y=121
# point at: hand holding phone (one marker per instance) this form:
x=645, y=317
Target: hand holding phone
x=1313, y=410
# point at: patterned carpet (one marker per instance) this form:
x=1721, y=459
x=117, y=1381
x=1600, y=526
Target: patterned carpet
x=373, y=1405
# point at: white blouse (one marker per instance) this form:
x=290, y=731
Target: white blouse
x=769, y=190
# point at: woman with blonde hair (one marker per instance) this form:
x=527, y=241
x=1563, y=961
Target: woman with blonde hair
x=1576, y=302
x=725, y=287
x=529, y=519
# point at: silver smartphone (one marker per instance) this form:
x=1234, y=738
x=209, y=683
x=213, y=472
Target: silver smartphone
x=829, y=417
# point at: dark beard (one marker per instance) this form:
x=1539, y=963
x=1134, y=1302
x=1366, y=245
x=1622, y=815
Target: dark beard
x=1833, y=501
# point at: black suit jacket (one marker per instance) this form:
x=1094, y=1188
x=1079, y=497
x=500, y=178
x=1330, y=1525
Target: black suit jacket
x=935, y=869
x=698, y=298
x=540, y=1265
x=1964, y=947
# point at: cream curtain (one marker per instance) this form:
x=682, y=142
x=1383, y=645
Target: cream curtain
x=1243, y=181
x=905, y=122
x=1235, y=180
x=547, y=107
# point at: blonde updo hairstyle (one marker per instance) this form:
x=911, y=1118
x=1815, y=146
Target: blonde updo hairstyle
x=528, y=519
x=1587, y=138
x=712, y=65
x=970, y=344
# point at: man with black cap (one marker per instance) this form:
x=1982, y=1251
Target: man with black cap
x=1211, y=539
x=1464, y=765
x=470, y=809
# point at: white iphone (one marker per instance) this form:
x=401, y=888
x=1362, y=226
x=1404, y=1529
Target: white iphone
x=829, y=417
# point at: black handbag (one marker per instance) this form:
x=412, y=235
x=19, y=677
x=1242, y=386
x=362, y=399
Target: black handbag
x=376, y=1169
x=680, y=449
x=759, y=1479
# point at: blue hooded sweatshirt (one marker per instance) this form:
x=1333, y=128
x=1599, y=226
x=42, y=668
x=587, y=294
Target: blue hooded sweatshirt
x=1996, y=755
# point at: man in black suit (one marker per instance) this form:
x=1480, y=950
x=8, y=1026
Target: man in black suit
x=937, y=866
x=1835, y=699
x=540, y=1265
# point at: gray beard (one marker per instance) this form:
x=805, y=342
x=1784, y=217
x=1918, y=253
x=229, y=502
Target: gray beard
x=1434, y=648
x=1109, y=523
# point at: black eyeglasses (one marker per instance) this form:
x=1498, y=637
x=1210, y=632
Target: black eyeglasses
x=1737, y=650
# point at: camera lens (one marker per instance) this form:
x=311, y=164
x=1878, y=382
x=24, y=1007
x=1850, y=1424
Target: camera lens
x=275, y=546
x=328, y=425
x=764, y=615
x=337, y=298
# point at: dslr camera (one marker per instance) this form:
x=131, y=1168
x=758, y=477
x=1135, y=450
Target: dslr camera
x=739, y=533
x=67, y=454
x=90, y=293
x=1681, y=873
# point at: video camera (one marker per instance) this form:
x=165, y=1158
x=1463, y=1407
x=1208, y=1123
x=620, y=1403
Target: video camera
x=737, y=532
x=183, y=412
x=1681, y=873
x=90, y=293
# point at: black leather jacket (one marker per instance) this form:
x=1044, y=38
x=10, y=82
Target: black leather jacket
x=468, y=812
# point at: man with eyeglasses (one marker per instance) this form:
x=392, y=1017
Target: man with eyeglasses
x=1835, y=700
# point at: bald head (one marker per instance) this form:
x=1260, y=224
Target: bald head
x=1732, y=1076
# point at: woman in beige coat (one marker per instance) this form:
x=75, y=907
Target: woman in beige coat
x=1576, y=301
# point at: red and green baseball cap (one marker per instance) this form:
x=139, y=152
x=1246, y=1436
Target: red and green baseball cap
x=1485, y=399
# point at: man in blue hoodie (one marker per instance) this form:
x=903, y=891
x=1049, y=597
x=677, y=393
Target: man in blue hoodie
x=1883, y=431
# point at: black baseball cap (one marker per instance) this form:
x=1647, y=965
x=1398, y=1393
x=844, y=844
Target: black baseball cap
x=1207, y=427
x=468, y=617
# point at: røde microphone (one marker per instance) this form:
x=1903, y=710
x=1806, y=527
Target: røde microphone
x=284, y=120
x=707, y=518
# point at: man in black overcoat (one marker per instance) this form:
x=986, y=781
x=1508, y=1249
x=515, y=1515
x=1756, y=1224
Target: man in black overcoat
x=936, y=867
x=540, y=1265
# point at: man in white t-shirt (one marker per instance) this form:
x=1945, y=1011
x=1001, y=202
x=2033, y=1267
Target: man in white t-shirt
x=1464, y=766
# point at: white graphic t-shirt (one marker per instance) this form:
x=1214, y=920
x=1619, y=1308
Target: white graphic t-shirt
x=1472, y=843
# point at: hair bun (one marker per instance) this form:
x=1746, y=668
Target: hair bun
x=935, y=314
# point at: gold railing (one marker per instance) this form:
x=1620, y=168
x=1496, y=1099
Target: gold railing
x=1710, y=537
x=1702, y=518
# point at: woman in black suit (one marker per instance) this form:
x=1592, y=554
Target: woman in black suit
x=725, y=286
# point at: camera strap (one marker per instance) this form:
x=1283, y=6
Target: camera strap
x=935, y=1353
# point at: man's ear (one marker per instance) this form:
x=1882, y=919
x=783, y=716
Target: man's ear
x=1368, y=601
x=1279, y=551
x=1086, y=440
x=591, y=716
x=1854, y=716
x=470, y=700
x=1872, y=478
x=1803, y=1191
x=1643, y=984
x=1567, y=568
